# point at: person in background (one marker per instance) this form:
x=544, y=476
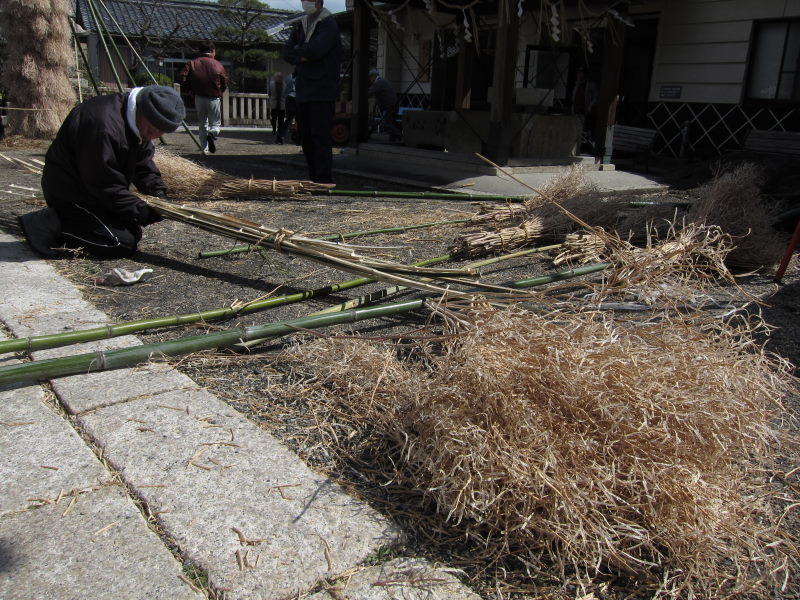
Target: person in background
x=291, y=101
x=205, y=78
x=386, y=99
x=314, y=47
x=277, y=105
x=103, y=146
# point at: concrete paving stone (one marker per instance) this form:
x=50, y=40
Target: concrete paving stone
x=209, y=473
x=399, y=579
x=99, y=549
x=22, y=272
x=90, y=391
x=41, y=452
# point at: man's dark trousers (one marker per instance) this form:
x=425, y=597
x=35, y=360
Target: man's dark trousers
x=314, y=121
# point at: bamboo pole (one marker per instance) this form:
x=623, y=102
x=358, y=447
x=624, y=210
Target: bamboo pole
x=100, y=28
x=125, y=357
x=67, y=338
x=424, y=195
x=336, y=236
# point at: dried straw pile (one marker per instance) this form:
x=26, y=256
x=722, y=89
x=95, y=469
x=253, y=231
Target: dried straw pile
x=188, y=181
x=577, y=446
x=36, y=70
x=733, y=202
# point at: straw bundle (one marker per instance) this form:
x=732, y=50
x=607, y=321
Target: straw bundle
x=573, y=445
x=36, y=72
x=568, y=184
x=505, y=240
x=732, y=201
x=188, y=181
x=680, y=267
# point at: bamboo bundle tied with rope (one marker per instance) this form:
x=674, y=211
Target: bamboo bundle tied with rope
x=188, y=181
x=337, y=255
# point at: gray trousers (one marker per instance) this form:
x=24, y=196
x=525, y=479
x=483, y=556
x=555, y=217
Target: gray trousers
x=209, y=116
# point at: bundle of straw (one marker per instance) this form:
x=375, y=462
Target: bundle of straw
x=570, y=183
x=188, y=181
x=571, y=444
x=505, y=240
x=732, y=201
x=581, y=248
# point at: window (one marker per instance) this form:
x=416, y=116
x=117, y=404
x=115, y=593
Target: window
x=774, y=60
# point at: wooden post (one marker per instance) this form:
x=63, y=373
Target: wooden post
x=503, y=84
x=609, y=82
x=359, y=126
x=463, y=98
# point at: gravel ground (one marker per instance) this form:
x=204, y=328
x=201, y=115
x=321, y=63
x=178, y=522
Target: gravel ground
x=257, y=383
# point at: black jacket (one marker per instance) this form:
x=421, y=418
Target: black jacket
x=94, y=159
x=317, y=60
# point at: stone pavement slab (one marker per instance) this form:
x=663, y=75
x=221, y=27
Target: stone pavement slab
x=96, y=548
x=399, y=579
x=42, y=455
x=236, y=501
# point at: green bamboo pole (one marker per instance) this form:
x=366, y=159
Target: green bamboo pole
x=56, y=340
x=83, y=57
x=335, y=236
x=126, y=357
x=455, y=195
x=100, y=27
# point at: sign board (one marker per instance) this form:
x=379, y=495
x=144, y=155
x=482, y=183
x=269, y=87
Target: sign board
x=670, y=92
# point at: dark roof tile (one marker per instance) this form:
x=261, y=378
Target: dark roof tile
x=182, y=19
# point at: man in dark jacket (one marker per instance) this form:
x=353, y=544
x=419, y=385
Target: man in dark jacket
x=104, y=146
x=205, y=78
x=315, y=48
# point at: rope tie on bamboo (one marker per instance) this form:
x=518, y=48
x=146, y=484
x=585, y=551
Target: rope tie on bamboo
x=281, y=236
x=101, y=361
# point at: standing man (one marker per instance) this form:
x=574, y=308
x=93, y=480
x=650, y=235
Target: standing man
x=104, y=145
x=277, y=105
x=315, y=48
x=205, y=78
x=386, y=99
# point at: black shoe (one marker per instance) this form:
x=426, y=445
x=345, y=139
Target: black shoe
x=212, y=143
x=42, y=229
x=279, y=141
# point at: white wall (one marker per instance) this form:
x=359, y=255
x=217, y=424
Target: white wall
x=703, y=45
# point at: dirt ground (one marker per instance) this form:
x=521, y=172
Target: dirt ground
x=255, y=383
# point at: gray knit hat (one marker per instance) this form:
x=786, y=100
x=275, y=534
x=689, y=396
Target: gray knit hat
x=162, y=106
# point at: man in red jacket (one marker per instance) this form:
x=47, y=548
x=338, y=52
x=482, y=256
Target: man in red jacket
x=206, y=79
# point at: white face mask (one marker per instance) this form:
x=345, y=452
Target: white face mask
x=309, y=7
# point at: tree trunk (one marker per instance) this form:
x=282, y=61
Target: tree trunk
x=39, y=59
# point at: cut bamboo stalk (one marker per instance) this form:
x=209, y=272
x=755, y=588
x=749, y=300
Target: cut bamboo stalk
x=338, y=236
x=125, y=357
x=423, y=195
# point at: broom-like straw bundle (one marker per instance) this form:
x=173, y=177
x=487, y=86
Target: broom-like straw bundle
x=732, y=201
x=188, y=181
x=568, y=184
